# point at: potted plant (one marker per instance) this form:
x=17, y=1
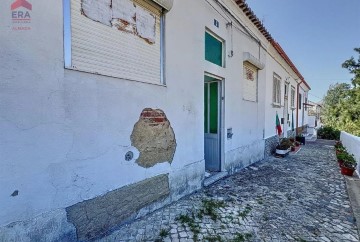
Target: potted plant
x=349, y=165
x=341, y=157
x=338, y=144
x=300, y=138
x=297, y=143
x=340, y=150
x=283, y=148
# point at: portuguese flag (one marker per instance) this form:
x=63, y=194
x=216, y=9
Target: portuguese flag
x=278, y=125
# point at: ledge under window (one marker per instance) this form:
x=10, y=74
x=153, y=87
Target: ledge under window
x=276, y=105
x=253, y=60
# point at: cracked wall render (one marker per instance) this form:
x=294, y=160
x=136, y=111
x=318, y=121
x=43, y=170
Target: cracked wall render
x=96, y=216
x=154, y=137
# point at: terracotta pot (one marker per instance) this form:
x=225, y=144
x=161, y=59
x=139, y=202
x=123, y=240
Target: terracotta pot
x=347, y=171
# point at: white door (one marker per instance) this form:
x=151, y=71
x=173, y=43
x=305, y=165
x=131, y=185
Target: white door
x=212, y=119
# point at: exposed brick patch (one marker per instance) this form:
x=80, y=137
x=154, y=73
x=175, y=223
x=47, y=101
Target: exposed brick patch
x=154, y=137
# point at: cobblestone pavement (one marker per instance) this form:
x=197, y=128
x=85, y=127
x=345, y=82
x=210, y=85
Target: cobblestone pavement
x=298, y=198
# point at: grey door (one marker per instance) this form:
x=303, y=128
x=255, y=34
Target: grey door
x=212, y=111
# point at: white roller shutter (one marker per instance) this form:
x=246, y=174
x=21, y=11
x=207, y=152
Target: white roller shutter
x=98, y=46
x=250, y=82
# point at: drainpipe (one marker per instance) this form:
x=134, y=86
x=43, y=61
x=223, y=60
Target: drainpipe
x=297, y=108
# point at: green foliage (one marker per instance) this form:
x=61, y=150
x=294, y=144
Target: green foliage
x=328, y=132
x=163, y=234
x=243, y=214
x=194, y=227
x=242, y=237
x=342, y=101
x=210, y=208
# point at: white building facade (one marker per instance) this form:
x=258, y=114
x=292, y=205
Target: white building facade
x=131, y=100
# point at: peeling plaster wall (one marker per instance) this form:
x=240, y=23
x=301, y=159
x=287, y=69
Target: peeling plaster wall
x=64, y=133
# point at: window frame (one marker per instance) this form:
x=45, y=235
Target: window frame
x=292, y=96
x=67, y=46
x=222, y=41
x=276, y=98
x=256, y=73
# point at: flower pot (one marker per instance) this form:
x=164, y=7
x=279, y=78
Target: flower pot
x=292, y=148
x=347, y=171
x=300, y=139
x=282, y=152
x=340, y=163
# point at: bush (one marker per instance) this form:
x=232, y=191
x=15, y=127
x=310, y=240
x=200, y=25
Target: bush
x=328, y=132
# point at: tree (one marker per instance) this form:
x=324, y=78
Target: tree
x=342, y=101
x=354, y=68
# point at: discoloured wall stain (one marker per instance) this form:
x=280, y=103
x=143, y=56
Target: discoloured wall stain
x=154, y=137
x=95, y=217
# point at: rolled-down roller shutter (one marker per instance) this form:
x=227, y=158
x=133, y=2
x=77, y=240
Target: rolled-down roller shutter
x=250, y=82
x=99, y=46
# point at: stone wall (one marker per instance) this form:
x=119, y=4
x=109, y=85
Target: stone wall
x=95, y=217
x=270, y=145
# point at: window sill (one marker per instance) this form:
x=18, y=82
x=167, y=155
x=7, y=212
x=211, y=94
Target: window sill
x=276, y=105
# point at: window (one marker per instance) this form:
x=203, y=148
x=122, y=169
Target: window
x=117, y=38
x=300, y=101
x=214, y=49
x=286, y=90
x=250, y=82
x=276, y=90
x=292, y=97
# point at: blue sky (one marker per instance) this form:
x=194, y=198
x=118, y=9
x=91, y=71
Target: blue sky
x=317, y=35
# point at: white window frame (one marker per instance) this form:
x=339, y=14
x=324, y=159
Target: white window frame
x=68, y=44
x=292, y=95
x=276, y=98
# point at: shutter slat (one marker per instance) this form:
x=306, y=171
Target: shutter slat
x=104, y=50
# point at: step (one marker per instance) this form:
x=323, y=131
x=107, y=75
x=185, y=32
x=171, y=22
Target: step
x=214, y=178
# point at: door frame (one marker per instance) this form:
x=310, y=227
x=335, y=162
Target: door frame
x=221, y=120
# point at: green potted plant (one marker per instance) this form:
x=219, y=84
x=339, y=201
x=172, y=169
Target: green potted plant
x=300, y=138
x=341, y=157
x=349, y=165
x=283, y=148
x=338, y=144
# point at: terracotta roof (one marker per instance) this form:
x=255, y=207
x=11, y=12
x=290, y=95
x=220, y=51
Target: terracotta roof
x=258, y=24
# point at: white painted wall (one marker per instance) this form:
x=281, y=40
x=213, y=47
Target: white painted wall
x=352, y=144
x=64, y=133
x=275, y=64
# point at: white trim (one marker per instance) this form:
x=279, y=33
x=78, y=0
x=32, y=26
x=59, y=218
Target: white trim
x=67, y=33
